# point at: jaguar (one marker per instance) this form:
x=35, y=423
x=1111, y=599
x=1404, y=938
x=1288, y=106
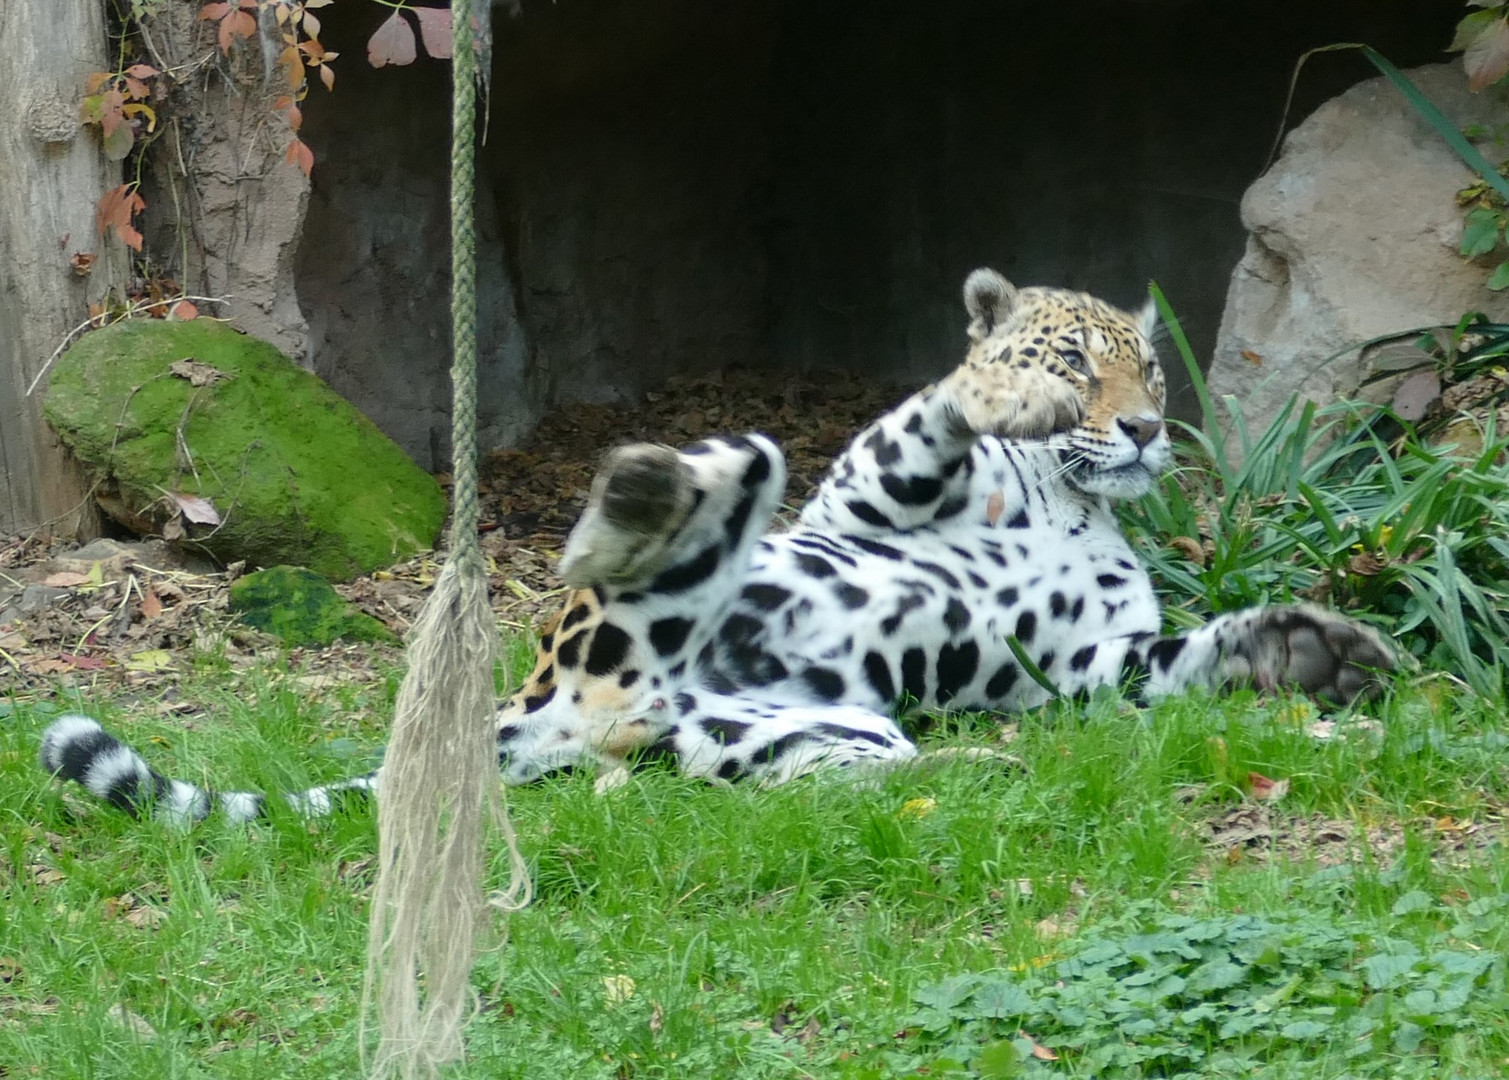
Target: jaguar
x=961, y=554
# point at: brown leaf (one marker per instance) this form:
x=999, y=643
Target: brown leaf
x=1415, y=394
x=1487, y=58
x=298, y=153
x=435, y=29
x=66, y=579
x=198, y=374
x=197, y=509
x=1190, y=548
x=183, y=311
x=1255, y=359
x=1265, y=790
x=43, y=874
x=392, y=43
x=1041, y=1052
x=151, y=605
x=1366, y=564
x=657, y=1015
x=115, y=211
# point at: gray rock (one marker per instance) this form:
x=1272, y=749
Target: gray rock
x=1353, y=235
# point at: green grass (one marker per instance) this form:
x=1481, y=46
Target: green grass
x=801, y=931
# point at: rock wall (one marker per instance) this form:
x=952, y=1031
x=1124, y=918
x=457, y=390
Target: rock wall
x=1354, y=234
x=672, y=186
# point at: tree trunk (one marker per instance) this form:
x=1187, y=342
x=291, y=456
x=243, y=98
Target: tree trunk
x=51, y=175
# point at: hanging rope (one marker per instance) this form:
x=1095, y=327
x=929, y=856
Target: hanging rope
x=440, y=778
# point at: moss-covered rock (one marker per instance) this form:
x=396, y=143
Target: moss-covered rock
x=296, y=474
x=300, y=608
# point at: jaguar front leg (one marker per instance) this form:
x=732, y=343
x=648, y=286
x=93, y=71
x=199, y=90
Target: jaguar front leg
x=653, y=509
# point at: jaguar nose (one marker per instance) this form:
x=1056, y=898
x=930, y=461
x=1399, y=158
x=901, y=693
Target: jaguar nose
x=1141, y=429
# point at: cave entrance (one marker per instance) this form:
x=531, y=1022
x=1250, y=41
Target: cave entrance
x=673, y=187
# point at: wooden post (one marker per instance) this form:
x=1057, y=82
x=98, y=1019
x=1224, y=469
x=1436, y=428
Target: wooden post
x=52, y=173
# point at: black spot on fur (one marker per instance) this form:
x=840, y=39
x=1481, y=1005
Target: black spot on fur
x=824, y=682
x=1002, y=681
x=909, y=603
x=726, y=732
x=730, y=770
x=867, y=513
x=851, y=596
x=878, y=671
x=1082, y=659
x=956, y=666
x=814, y=566
x=575, y=615
x=1008, y=596
x=1019, y=520
x=913, y=491
x=875, y=547
x=913, y=424
x=766, y=597
x=1026, y=627
x=685, y=703
x=1163, y=653
x=956, y=616
x=687, y=575
x=937, y=571
x=1110, y=581
x=628, y=678
x=570, y=652
x=677, y=670
x=733, y=527
x=539, y=701
x=758, y=471
x=740, y=629
x=848, y=734
x=668, y=635
x=914, y=673
x=950, y=508
x=1057, y=605
x=610, y=648
x=886, y=452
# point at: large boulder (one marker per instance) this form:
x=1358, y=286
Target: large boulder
x=197, y=432
x=1353, y=235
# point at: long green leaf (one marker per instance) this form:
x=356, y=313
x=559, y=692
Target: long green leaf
x=1196, y=378
x=1436, y=119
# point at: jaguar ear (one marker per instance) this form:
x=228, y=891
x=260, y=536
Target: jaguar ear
x=989, y=298
x=1148, y=322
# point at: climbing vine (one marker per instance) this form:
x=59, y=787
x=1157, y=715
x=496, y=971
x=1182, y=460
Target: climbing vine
x=124, y=104
x=1482, y=38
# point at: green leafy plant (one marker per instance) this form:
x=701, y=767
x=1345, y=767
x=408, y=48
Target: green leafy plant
x=1167, y=994
x=1345, y=504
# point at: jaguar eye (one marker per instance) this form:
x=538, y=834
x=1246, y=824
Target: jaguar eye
x=1076, y=360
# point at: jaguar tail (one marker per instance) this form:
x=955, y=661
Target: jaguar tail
x=78, y=748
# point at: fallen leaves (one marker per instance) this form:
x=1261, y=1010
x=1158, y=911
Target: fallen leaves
x=1264, y=789
x=197, y=373
x=617, y=989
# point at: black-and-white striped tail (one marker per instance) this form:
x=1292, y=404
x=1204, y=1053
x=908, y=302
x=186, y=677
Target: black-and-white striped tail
x=77, y=748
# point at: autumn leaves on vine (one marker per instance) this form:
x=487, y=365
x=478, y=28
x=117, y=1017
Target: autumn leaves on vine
x=119, y=102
